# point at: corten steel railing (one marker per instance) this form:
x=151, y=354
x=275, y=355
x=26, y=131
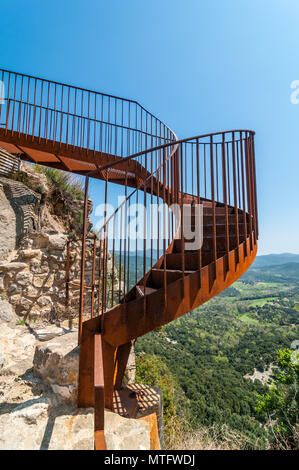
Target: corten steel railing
x=206, y=183
x=49, y=111
x=215, y=171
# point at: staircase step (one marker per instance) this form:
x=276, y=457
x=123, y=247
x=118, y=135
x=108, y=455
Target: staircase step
x=208, y=241
x=219, y=210
x=221, y=229
x=207, y=245
x=140, y=291
x=207, y=219
x=156, y=279
x=174, y=261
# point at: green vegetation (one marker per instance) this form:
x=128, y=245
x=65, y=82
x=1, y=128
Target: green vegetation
x=278, y=407
x=152, y=371
x=211, y=352
x=60, y=192
x=65, y=182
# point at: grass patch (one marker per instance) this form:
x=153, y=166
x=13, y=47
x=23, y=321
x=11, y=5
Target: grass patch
x=247, y=319
x=262, y=302
x=63, y=181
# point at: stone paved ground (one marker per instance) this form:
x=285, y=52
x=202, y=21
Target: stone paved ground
x=33, y=417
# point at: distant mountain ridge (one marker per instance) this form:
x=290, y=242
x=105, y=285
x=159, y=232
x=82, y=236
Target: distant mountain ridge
x=275, y=259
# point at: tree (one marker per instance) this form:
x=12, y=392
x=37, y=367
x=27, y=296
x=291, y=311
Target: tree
x=278, y=408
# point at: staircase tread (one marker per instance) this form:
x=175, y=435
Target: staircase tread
x=148, y=290
x=172, y=270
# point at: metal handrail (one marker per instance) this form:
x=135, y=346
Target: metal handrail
x=160, y=147
x=228, y=170
x=107, y=95
x=72, y=101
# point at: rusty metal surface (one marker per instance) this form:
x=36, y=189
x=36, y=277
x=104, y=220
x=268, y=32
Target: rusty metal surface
x=137, y=289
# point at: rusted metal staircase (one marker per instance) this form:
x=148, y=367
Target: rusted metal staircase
x=198, y=232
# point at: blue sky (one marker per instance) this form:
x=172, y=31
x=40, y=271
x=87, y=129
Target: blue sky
x=199, y=65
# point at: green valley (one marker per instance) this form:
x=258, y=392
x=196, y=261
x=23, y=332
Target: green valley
x=214, y=353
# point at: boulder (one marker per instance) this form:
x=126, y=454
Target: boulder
x=50, y=332
x=8, y=236
x=24, y=278
x=35, y=425
x=57, y=242
x=7, y=314
x=56, y=362
x=30, y=253
x=126, y=434
x=13, y=266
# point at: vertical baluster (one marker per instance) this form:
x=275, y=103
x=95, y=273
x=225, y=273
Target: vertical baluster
x=93, y=274
x=248, y=184
x=88, y=123
x=20, y=108
x=113, y=262
x=8, y=104
x=144, y=236
x=47, y=111
x=192, y=169
x=228, y=172
x=67, y=118
x=108, y=128
x=74, y=120
x=158, y=204
x=255, y=189
x=122, y=129
x=83, y=251
x=213, y=202
x=235, y=195
x=168, y=195
x=128, y=270
x=238, y=173
x=2, y=97
x=94, y=124
x=164, y=230
x=120, y=249
x=224, y=185
x=40, y=112
x=14, y=104
x=217, y=185
x=181, y=156
x=81, y=120
x=101, y=126
x=105, y=274
x=27, y=108
x=243, y=193
x=100, y=272
x=125, y=225
x=54, y=116
x=199, y=206
x=136, y=241
x=252, y=180
x=152, y=189
x=61, y=116
x=115, y=128
x=106, y=292
x=67, y=283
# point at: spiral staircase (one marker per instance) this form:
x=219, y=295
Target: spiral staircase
x=199, y=230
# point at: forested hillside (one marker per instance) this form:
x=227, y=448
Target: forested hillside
x=218, y=357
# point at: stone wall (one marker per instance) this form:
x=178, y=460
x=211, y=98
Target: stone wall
x=34, y=228
x=7, y=226
x=34, y=280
